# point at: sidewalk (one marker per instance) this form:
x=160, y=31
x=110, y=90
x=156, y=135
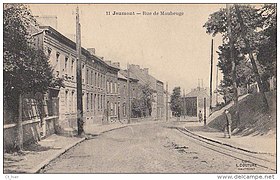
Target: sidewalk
x=251, y=143
x=36, y=156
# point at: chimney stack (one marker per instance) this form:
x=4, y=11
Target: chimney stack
x=117, y=64
x=91, y=51
x=108, y=62
x=145, y=70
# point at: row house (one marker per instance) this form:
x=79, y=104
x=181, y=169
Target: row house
x=97, y=99
x=123, y=94
x=112, y=91
x=142, y=74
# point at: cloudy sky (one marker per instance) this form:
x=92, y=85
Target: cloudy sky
x=176, y=49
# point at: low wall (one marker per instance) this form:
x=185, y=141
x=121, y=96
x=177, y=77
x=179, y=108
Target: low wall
x=32, y=132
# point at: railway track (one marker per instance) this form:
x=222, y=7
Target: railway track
x=252, y=160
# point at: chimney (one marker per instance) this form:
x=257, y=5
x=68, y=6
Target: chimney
x=91, y=51
x=108, y=62
x=135, y=66
x=145, y=70
x=117, y=64
x=47, y=20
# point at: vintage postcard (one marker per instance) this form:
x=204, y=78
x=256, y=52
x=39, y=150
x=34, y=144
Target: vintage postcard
x=140, y=88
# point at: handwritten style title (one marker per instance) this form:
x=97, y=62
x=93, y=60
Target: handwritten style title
x=144, y=13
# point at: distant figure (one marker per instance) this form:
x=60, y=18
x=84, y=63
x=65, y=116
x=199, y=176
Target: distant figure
x=200, y=119
x=105, y=116
x=227, y=129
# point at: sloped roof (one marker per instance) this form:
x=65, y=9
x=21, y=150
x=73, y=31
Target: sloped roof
x=197, y=93
x=132, y=76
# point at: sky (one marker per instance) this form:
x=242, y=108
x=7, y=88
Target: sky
x=176, y=49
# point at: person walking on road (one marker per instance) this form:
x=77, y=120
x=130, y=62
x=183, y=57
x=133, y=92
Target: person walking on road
x=227, y=129
x=200, y=116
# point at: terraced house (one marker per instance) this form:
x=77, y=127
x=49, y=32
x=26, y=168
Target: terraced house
x=99, y=80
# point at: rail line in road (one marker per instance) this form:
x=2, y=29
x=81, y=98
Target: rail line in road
x=257, y=159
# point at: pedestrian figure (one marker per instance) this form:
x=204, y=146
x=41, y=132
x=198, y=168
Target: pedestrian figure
x=227, y=129
x=200, y=119
x=105, y=116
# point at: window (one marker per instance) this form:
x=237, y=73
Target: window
x=72, y=67
x=112, y=108
x=66, y=101
x=57, y=56
x=98, y=101
x=101, y=102
x=91, y=78
x=87, y=101
x=73, y=101
x=87, y=77
x=66, y=63
x=108, y=86
x=111, y=87
x=124, y=109
x=94, y=104
x=116, y=88
x=91, y=102
x=101, y=77
x=95, y=79
x=116, y=109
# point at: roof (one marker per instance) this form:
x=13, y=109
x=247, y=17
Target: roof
x=132, y=76
x=120, y=76
x=197, y=93
x=54, y=33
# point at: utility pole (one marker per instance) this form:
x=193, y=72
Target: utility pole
x=80, y=122
x=217, y=86
x=128, y=92
x=211, y=75
x=166, y=103
x=204, y=106
x=184, y=105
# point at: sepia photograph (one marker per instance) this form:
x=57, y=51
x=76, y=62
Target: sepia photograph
x=95, y=88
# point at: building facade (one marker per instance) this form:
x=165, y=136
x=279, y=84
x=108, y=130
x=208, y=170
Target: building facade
x=61, y=52
x=195, y=101
x=160, y=100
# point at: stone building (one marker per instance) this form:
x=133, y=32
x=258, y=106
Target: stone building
x=160, y=100
x=112, y=92
x=142, y=74
x=135, y=92
x=194, y=102
x=95, y=73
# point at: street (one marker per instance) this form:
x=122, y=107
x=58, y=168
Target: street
x=155, y=147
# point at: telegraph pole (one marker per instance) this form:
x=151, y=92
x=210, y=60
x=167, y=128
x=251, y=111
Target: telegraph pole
x=184, y=105
x=128, y=92
x=204, y=106
x=217, y=86
x=166, y=101
x=211, y=75
x=80, y=122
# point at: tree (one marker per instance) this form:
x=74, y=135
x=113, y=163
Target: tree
x=142, y=105
x=26, y=68
x=176, y=101
x=147, y=98
x=246, y=23
x=268, y=49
